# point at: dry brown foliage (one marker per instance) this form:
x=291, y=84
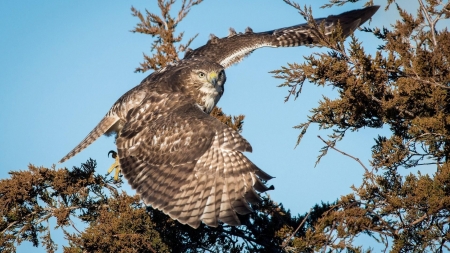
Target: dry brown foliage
x=163, y=28
x=29, y=199
x=403, y=87
x=234, y=122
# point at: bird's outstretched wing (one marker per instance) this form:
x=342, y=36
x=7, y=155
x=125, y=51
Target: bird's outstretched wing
x=187, y=163
x=232, y=49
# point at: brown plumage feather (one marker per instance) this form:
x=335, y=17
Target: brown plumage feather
x=232, y=49
x=188, y=164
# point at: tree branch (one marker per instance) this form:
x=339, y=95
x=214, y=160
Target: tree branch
x=286, y=241
x=354, y=158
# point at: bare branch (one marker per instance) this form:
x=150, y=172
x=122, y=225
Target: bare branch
x=354, y=158
x=431, y=23
x=286, y=241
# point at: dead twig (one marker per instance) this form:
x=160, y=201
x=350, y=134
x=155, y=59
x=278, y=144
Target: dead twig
x=286, y=241
x=354, y=158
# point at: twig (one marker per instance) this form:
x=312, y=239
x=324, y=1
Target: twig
x=234, y=232
x=386, y=242
x=418, y=220
x=301, y=224
x=18, y=221
x=354, y=158
x=328, y=237
x=417, y=78
x=10, y=225
x=73, y=225
x=431, y=23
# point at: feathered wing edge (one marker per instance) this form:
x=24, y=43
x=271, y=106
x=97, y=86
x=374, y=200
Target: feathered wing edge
x=303, y=34
x=196, y=183
x=102, y=127
x=223, y=183
x=235, y=47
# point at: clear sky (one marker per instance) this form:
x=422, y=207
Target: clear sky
x=64, y=63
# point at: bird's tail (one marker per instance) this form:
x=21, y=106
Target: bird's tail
x=105, y=124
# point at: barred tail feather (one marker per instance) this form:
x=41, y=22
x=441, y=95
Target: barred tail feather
x=105, y=124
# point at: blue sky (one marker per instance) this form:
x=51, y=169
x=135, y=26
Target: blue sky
x=64, y=63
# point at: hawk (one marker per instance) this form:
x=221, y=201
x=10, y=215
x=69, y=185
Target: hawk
x=180, y=159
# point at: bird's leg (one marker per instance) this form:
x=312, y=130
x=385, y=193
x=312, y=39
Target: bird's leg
x=115, y=166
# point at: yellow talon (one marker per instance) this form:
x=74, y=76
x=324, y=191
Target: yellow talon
x=115, y=166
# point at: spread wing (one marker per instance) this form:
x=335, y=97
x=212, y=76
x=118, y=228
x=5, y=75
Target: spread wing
x=187, y=163
x=232, y=49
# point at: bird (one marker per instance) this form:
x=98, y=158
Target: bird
x=179, y=158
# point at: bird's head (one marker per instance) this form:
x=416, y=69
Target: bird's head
x=207, y=85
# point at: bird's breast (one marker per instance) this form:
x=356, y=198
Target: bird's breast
x=209, y=96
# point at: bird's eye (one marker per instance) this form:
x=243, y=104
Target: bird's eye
x=201, y=74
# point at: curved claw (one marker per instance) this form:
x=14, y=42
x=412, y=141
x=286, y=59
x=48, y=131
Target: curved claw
x=115, y=166
x=113, y=153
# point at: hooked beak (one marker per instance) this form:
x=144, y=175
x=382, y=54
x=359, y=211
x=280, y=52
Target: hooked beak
x=213, y=78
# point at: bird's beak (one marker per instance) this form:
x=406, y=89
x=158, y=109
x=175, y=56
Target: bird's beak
x=213, y=78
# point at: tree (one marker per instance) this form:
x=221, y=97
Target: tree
x=402, y=87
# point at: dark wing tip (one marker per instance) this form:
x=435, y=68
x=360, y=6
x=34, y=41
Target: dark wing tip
x=368, y=13
x=359, y=13
x=351, y=20
x=263, y=175
x=261, y=187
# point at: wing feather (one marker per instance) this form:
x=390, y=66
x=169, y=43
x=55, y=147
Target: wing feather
x=188, y=164
x=232, y=49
